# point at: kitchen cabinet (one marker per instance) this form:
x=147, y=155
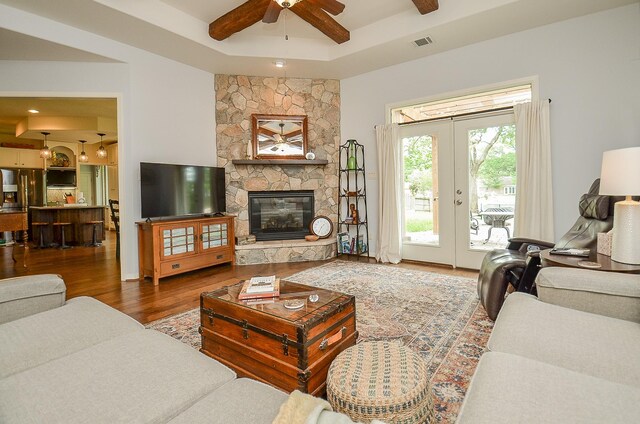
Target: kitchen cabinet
x=20, y=158
x=112, y=154
x=171, y=247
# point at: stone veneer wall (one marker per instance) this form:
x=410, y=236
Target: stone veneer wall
x=237, y=98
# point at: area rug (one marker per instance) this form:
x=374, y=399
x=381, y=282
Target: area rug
x=436, y=315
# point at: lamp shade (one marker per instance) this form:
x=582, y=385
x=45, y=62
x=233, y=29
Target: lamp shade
x=620, y=174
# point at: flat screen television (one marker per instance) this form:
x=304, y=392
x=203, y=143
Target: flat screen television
x=178, y=190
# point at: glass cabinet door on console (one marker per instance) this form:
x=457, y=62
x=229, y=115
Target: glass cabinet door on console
x=213, y=236
x=178, y=240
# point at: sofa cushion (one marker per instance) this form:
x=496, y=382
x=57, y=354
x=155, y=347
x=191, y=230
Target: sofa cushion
x=23, y=296
x=511, y=389
x=239, y=401
x=612, y=294
x=140, y=377
x=579, y=341
x=39, y=338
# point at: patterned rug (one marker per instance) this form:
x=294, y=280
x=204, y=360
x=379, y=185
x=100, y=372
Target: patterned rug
x=436, y=315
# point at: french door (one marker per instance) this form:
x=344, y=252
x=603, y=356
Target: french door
x=459, y=189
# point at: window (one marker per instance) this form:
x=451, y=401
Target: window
x=510, y=190
x=463, y=105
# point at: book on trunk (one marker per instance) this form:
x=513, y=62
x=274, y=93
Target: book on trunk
x=273, y=292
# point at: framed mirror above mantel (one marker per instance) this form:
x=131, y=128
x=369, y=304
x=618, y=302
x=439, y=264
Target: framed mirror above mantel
x=279, y=136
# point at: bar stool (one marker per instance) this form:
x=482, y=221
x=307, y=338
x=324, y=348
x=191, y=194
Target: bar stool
x=94, y=238
x=39, y=225
x=62, y=226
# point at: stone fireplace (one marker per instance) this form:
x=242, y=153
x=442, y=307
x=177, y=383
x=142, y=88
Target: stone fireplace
x=237, y=98
x=280, y=215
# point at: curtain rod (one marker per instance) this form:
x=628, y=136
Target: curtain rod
x=456, y=116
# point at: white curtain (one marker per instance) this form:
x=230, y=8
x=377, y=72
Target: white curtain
x=534, y=199
x=389, y=147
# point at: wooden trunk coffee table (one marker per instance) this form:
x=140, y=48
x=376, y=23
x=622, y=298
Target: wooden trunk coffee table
x=287, y=348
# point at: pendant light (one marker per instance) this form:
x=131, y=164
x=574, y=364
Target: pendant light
x=102, y=152
x=45, y=152
x=83, y=156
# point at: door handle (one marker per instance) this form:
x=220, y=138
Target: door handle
x=458, y=202
x=459, y=191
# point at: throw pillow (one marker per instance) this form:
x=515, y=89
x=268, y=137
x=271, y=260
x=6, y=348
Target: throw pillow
x=594, y=206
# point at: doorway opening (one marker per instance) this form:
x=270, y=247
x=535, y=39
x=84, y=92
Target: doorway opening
x=67, y=120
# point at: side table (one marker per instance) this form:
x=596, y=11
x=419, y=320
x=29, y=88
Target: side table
x=547, y=260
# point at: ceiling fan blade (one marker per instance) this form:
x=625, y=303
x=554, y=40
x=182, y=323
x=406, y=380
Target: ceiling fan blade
x=322, y=21
x=238, y=19
x=332, y=6
x=426, y=6
x=272, y=13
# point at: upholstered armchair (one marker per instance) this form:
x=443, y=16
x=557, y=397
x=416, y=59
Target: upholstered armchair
x=519, y=263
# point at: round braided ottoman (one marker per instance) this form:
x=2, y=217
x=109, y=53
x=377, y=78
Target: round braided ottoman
x=380, y=380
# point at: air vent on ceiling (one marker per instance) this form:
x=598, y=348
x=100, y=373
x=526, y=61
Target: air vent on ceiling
x=422, y=41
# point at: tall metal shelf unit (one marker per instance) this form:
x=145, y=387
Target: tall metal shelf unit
x=352, y=191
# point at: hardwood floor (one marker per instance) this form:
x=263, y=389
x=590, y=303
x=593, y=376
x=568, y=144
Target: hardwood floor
x=95, y=272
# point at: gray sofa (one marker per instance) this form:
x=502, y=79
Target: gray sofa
x=81, y=361
x=569, y=356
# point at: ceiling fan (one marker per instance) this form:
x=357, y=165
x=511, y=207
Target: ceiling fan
x=315, y=12
x=280, y=139
x=268, y=11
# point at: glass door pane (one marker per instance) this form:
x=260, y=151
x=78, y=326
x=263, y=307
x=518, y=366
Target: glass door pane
x=492, y=185
x=421, y=190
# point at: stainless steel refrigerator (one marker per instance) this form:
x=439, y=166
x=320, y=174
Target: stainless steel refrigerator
x=21, y=188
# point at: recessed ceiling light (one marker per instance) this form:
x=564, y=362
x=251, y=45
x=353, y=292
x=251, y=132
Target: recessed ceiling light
x=33, y=111
x=279, y=63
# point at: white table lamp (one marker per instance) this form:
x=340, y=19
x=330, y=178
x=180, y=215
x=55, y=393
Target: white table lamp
x=620, y=176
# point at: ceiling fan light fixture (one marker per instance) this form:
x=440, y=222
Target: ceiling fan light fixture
x=45, y=152
x=287, y=3
x=101, y=153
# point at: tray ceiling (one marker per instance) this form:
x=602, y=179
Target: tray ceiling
x=382, y=31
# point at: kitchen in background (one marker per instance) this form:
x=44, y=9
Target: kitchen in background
x=28, y=180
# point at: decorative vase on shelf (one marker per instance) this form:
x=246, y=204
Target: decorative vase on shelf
x=249, y=150
x=351, y=161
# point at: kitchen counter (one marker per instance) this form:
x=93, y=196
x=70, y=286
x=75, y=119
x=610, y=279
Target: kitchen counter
x=80, y=232
x=63, y=207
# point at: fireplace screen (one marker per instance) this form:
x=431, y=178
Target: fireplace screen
x=280, y=215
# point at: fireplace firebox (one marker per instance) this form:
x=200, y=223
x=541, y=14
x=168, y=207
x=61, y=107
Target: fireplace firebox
x=280, y=215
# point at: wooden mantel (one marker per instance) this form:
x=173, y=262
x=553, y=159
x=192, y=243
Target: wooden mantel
x=281, y=162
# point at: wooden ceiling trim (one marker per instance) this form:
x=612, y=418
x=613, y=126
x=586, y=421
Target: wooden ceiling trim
x=426, y=6
x=322, y=21
x=238, y=19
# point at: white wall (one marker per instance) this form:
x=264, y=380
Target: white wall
x=588, y=66
x=166, y=110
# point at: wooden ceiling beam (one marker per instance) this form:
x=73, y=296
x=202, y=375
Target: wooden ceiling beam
x=322, y=21
x=426, y=6
x=272, y=13
x=238, y=19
